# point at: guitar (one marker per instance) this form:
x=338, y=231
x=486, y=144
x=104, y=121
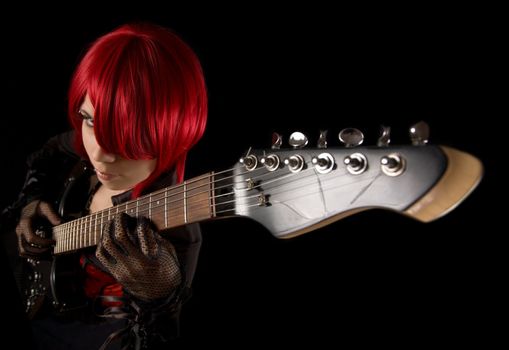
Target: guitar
x=288, y=191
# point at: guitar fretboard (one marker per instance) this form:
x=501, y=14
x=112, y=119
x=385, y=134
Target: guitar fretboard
x=191, y=201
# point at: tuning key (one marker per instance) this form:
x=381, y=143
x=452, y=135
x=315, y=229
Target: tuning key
x=271, y=162
x=295, y=163
x=351, y=137
x=324, y=163
x=277, y=140
x=322, y=140
x=356, y=163
x=393, y=164
x=298, y=140
x=385, y=136
x=250, y=161
x=419, y=133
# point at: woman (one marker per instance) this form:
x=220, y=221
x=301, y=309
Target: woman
x=137, y=104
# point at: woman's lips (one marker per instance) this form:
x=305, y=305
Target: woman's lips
x=105, y=176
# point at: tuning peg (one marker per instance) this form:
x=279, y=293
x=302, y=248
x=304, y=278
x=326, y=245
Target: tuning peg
x=385, y=136
x=277, y=140
x=322, y=140
x=351, y=137
x=419, y=133
x=298, y=140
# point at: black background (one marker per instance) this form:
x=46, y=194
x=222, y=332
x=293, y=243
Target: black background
x=376, y=277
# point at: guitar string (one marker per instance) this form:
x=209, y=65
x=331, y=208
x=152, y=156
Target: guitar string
x=82, y=223
x=92, y=223
x=85, y=239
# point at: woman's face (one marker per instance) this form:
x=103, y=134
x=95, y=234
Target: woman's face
x=113, y=171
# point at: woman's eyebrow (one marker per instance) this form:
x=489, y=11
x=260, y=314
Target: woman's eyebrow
x=84, y=113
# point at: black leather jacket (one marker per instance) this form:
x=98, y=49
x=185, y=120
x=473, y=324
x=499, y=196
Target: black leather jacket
x=48, y=170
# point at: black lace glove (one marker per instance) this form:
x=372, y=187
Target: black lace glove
x=139, y=259
x=30, y=243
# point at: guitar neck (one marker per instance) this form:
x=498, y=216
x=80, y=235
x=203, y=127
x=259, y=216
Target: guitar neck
x=293, y=191
x=189, y=202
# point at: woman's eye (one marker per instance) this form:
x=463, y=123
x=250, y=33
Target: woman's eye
x=87, y=119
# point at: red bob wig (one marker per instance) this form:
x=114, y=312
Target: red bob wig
x=149, y=94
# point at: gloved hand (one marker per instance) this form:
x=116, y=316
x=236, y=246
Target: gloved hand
x=139, y=259
x=29, y=243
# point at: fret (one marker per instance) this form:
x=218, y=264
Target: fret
x=175, y=213
x=84, y=232
x=143, y=205
x=56, y=237
x=95, y=229
x=74, y=237
x=150, y=207
x=198, y=199
x=82, y=237
x=70, y=239
x=136, y=208
x=74, y=242
x=211, y=195
x=102, y=223
x=166, y=208
x=185, y=202
x=66, y=236
x=131, y=210
x=89, y=232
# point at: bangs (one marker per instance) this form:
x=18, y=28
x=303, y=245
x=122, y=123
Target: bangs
x=120, y=90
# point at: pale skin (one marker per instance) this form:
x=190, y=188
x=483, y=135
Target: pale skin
x=115, y=173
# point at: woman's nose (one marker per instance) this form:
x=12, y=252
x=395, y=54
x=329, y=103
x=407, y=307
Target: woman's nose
x=101, y=156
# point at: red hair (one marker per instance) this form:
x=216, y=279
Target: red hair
x=149, y=94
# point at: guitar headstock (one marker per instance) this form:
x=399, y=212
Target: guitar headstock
x=295, y=190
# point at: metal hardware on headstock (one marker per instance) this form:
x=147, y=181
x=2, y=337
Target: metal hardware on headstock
x=385, y=136
x=356, y=163
x=351, y=137
x=322, y=139
x=324, y=163
x=419, y=133
x=295, y=163
x=298, y=140
x=250, y=161
x=277, y=140
x=393, y=164
x=271, y=162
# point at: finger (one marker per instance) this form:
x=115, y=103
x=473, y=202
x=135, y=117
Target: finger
x=21, y=248
x=122, y=234
x=28, y=249
x=25, y=230
x=104, y=257
x=146, y=235
x=108, y=245
x=46, y=210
